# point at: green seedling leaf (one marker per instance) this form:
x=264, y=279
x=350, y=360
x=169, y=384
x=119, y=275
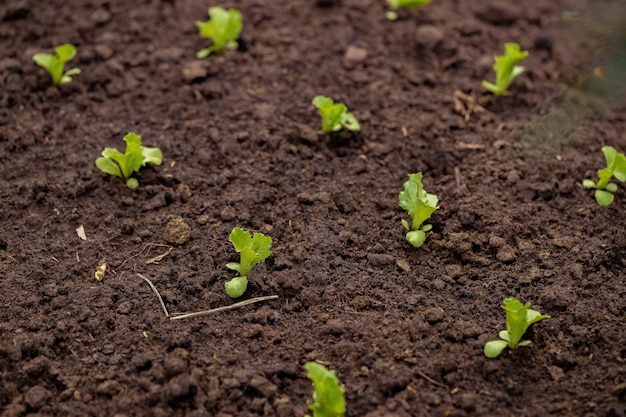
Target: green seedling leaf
x=506, y=69
x=335, y=115
x=519, y=317
x=615, y=168
x=252, y=251
x=407, y=4
x=123, y=165
x=328, y=395
x=236, y=287
x=223, y=29
x=55, y=64
x=420, y=205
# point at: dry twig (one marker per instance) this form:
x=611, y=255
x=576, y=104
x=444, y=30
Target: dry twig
x=156, y=292
x=224, y=308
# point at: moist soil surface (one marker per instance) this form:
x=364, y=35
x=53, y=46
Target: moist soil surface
x=403, y=328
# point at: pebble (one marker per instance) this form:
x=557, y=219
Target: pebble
x=100, y=16
x=109, y=387
x=177, y=232
x=194, y=71
x=428, y=36
x=104, y=51
x=379, y=259
x=263, y=385
x=434, y=314
x=37, y=396
x=335, y=327
x=184, y=192
x=354, y=56
x=506, y=254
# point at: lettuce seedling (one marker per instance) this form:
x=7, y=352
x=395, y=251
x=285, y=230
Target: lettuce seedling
x=328, y=398
x=55, y=64
x=335, y=115
x=506, y=69
x=252, y=251
x=223, y=28
x=123, y=165
x=420, y=206
x=615, y=168
x=518, y=318
x=407, y=4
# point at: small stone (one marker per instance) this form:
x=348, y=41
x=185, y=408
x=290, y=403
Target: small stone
x=556, y=373
x=100, y=16
x=263, y=385
x=177, y=232
x=379, y=259
x=428, y=36
x=109, y=388
x=434, y=314
x=354, y=56
x=334, y=326
x=195, y=71
x=104, y=51
x=173, y=53
x=37, y=396
x=228, y=213
x=506, y=254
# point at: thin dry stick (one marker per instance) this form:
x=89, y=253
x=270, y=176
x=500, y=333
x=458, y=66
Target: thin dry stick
x=156, y=292
x=432, y=381
x=159, y=258
x=225, y=308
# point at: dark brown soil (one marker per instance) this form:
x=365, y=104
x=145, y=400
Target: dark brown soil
x=404, y=328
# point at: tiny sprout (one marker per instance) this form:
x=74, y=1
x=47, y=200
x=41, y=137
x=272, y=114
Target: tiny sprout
x=223, y=29
x=506, y=69
x=123, y=165
x=335, y=115
x=407, y=4
x=615, y=168
x=55, y=64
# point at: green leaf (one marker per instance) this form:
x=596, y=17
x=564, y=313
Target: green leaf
x=55, y=64
x=123, y=165
x=604, y=198
x=416, y=238
x=252, y=250
x=420, y=205
x=494, y=348
x=407, y=4
x=236, y=286
x=506, y=69
x=328, y=395
x=518, y=318
x=335, y=116
x=589, y=184
x=615, y=162
x=223, y=29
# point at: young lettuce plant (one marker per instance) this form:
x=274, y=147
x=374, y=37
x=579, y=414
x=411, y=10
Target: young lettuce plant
x=252, y=251
x=328, y=395
x=506, y=69
x=335, y=115
x=519, y=317
x=223, y=29
x=615, y=168
x=407, y=4
x=55, y=64
x=420, y=206
x=123, y=165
